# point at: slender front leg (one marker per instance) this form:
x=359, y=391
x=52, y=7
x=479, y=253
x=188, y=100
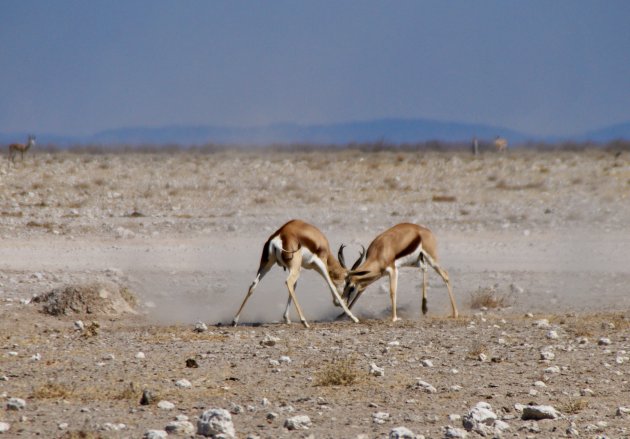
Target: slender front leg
x=324, y=272
x=425, y=308
x=393, y=285
x=291, y=281
x=261, y=273
x=286, y=317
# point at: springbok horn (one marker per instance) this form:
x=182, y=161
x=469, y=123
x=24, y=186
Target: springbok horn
x=360, y=260
x=340, y=256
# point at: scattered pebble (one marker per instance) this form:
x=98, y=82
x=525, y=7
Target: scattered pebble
x=537, y=412
x=155, y=434
x=16, y=404
x=183, y=383
x=165, y=405
x=401, y=433
x=380, y=417
x=215, y=422
x=376, y=371
x=423, y=385
x=180, y=427
x=301, y=422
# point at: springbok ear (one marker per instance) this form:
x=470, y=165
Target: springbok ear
x=360, y=260
x=342, y=261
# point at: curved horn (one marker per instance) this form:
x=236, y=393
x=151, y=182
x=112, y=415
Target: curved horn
x=340, y=256
x=360, y=260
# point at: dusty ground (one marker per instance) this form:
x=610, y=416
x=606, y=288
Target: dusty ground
x=547, y=232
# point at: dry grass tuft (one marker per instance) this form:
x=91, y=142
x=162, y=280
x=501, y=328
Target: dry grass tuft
x=52, y=390
x=488, y=298
x=476, y=350
x=444, y=198
x=338, y=373
x=574, y=406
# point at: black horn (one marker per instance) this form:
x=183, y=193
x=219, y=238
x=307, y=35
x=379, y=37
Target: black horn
x=340, y=256
x=360, y=260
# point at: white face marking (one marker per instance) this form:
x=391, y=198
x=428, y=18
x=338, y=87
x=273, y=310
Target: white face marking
x=411, y=260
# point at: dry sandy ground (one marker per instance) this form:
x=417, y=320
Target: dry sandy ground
x=547, y=232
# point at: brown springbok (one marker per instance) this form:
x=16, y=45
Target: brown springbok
x=500, y=144
x=404, y=245
x=14, y=148
x=298, y=245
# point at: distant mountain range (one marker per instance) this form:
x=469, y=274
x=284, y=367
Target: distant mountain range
x=385, y=130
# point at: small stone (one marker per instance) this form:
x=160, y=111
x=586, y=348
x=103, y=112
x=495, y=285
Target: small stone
x=109, y=426
x=180, y=427
x=192, y=363
x=401, y=433
x=215, y=422
x=426, y=363
x=540, y=384
x=623, y=411
x=140, y=356
x=542, y=323
x=274, y=363
x=454, y=433
x=552, y=335
x=36, y=357
x=537, y=412
x=482, y=357
x=376, y=371
x=269, y=340
x=552, y=369
x=547, y=355
x=165, y=405
x=79, y=325
x=423, y=385
x=183, y=383
x=272, y=416
x=301, y=422
x=481, y=413
x=285, y=359
x=454, y=417
x=235, y=409
x=155, y=434
x=4, y=427
x=62, y=425
x=147, y=397
x=587, y=392
x=380, y=417
x=603, y=341
x=16, y=404
x=200, y=327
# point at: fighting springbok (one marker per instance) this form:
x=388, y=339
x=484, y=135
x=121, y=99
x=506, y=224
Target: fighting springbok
x=500, y=144
x=14, y=148
x=404, y=245
x=298, y=245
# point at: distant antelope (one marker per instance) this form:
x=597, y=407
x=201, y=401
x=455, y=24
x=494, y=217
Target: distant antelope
x=500, y=143
x=298, y=245
x=21, y=148
x=404, y=245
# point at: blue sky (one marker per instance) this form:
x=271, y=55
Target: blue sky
x=542, y=67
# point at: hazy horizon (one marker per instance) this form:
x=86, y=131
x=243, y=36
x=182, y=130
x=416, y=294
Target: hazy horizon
x=78, y=68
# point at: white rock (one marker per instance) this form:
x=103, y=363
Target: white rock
x=183, y=383
x=380, y=417
x=180, y=427
x=540, y=384
x=165, y=405
x=273, y=362
x=62, y=425
x=426, y=363
x=109, y=426
x=155, y=434
x=140, y=356
x=537, y=412
x=623, y=411
x=4, y=427
x=36, y=357
x=401, y=433
x=603, y=341
x=285, y=359
x=500, y=426
x=482, y=357
x=215, y=422
x=552, y=369
x=394, y=343
x=552, y=335
x=200, y=327
x=587, y=392
x=16, y=404
x=426, y=387
x=269, y=340
x=235, y=409
x=181, y=418
x=454, y=433
x=79, y=325
x=481, y=413
x=547, y=355
x=542, y=323
x=301, y=422
x=376, y=371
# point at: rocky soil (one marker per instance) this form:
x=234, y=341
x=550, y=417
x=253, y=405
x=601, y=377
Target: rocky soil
x=537, y=246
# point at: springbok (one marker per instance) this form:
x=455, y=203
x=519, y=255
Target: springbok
x=21, y=148
x=404, y=245
x=298, y=245
x=500, y=144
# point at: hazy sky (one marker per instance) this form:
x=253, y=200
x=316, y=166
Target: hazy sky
x=543, y=67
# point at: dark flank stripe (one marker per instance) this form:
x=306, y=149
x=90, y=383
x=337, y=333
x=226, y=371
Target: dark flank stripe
x=413, y=245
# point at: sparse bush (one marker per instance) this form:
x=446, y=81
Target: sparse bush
x=338, y=373
x=574, y=406
x=488, y=298
x=51, y=390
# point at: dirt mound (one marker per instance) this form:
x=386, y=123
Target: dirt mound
x=94, y=298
